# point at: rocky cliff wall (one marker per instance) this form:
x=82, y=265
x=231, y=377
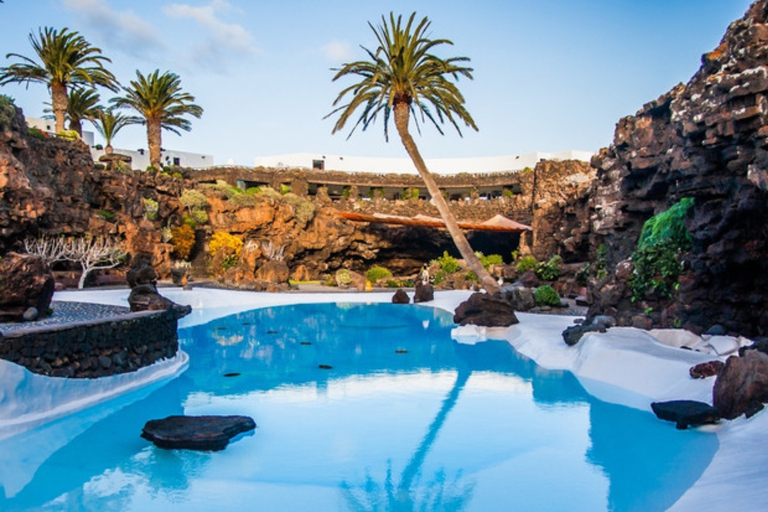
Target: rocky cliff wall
x=707, y=140
x=51, y=187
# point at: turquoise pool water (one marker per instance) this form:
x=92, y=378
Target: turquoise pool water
x=406, y=419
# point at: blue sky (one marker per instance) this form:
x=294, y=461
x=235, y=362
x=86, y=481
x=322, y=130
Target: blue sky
x=549, y=75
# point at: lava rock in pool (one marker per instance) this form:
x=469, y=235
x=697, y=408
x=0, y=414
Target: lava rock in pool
x=686, y=412
x=209, y=433
x=325, y=366
x=232, y=374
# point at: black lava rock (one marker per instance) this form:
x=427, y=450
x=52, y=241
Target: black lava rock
x=210, y=433
x=686, y=412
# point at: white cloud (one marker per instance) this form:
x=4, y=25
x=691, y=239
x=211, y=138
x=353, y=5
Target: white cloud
x=338, y=51
x=123, y=30
x=222, y=38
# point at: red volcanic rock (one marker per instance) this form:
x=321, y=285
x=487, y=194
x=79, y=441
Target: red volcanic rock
x=742, y=385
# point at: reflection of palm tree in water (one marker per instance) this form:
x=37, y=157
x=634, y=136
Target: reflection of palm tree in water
x=435, y=495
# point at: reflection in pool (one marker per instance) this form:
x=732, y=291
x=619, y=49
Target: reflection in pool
x=405, y=419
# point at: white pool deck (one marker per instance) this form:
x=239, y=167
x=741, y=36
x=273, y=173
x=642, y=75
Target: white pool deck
x=624, y=366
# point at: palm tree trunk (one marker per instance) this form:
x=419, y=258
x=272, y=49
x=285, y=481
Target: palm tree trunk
x=59, y=102
x=154, y=142
x=472, y=262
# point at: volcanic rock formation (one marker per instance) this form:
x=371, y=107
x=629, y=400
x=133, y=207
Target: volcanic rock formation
x=707, y=140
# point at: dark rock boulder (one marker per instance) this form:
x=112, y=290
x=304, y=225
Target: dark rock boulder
x=145, y=297
x=196, y=432
x=520, y=297
x=686, y=412
x=141, y=274
x=26, y=283
x=708, y=369
x=400, y=297
x=742, y=385
x=424, y=293
x=485, y=310
x=573, y=334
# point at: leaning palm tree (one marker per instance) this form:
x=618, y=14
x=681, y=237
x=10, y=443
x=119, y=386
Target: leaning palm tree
x=404, y=76
x=108, y=122
x=64, y=58
x=161, y=104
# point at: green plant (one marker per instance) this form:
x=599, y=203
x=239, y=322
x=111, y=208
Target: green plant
x=191, y=199
x=601, y=262
x=285, y=188
x=189, y=221
x=177, y=175
x=37, y=133
x=491, y=259
x=244, y=200
x=150, y=208
x=550, y=270
x=123, y=167
x=447, y=263
x=107, y=215
x=152, y=168
x=546, y=296
x=656, y=260
x=343, y=277
x=376, y=273
x=253, y=191
x=526, y=263
x=303, y=208
x=7, y=110
x=182, y=240
x=199, y=216
x=471, y=277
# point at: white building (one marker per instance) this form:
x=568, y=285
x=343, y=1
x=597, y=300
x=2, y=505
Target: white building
x=444, y=166
x=139, y=157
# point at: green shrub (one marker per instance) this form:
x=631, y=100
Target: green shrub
x=192, y=199
x=253, y=191
x=36, y=133
x=244, y=200
x=546, y=296
x=550, y=270
x=526, y=263
x=183, y=240
x=7, y=110
x=107, y=215
x=285, y=189
x=177, y=175
x=303, y=208
x=656, y=260
x=152, y=168
x=343, y=277
x=225, y=189
x=439, y=277
x=447, y=263
x=150, y=208
x=199, y=216
x=376, y=273
x=491, y=259
x=189, y=221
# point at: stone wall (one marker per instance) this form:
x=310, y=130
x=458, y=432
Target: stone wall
x=95, y=348
x=707, y=140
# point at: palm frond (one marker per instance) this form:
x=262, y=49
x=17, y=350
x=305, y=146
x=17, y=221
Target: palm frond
x=403, y=69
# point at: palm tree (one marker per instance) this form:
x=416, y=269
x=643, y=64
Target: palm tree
x=404, y=76
x=161, y=104
x=65, y=58
x=82, y=105
x=108, y=123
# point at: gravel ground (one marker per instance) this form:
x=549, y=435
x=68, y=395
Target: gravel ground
x=68, y=312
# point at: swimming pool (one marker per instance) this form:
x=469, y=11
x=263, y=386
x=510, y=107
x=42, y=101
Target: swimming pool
x=405, y=419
